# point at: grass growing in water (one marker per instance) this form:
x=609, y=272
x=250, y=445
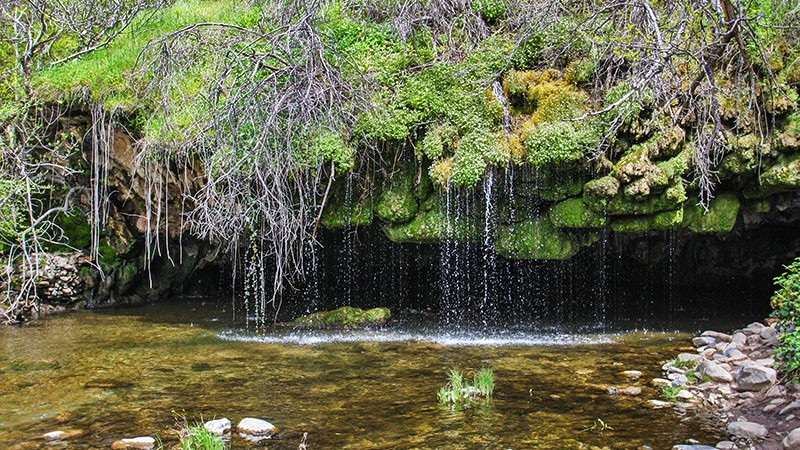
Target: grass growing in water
x=671, y=392
x=197, y=437
x=458, y=393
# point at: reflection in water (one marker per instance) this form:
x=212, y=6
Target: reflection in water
x=129, y=372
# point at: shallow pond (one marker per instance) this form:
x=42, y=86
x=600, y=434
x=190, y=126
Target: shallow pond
x=114, y=374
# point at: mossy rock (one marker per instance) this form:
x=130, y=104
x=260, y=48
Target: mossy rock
x=665, y=220
x=782, y=176
x=720, y=217
x=536, y=238
x=602, y=188
x=621, y=205
x=573, y=213
x=431, y=226
x=345, y=208
x=398, y=203
x=345, y=317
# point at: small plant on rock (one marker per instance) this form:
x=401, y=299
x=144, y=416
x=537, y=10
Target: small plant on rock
x=671, y=392
x=197, y=437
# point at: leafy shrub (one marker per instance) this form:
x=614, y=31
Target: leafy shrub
x=786, y=304
x=490, y=10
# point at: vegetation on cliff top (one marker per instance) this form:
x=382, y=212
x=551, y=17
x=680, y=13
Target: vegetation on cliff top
x=274, y=100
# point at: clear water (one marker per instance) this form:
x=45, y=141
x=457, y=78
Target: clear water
x=122, y=373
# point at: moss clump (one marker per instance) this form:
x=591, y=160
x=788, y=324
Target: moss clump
x=427, y=227
x=573, y=213
x=344, y=317
x=559, y=143
x=76, y=228
x=720, y=217
x=664, y=220
x=621, y=205
x=398, y=203
x=346, y=206
x=535, y=238
x=602, y=188
x=783, y=176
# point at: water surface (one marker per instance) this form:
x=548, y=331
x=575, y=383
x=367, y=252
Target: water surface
x=114, y=374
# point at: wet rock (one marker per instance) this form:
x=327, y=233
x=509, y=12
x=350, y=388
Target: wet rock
x=726, y=445
x=659, y=382
x=692, y=447
x=632, y=391
x=632, y=374
x=750, y=430
x=611, y=390
x=137, y=443
x=714, y=371
x=658, y=404
x=792, y=440
x=755, y=377
x=256, y=427
x=218, y=427
x=61, y=435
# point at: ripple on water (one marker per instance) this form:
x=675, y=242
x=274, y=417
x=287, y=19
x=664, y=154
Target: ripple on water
x=465, y=339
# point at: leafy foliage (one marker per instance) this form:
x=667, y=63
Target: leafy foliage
x=786, y=304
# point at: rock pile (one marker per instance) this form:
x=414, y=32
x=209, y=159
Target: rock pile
x=734, y=375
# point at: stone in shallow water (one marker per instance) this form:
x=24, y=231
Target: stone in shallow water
x=659, y=382
x=692, y=447
x=632, y=391
x=659, y=404
x=749, y=430
x=60, y=435
x=137, y=443
x=632, y=374
x=256, y=428
x=218, y=427
x=726, y=445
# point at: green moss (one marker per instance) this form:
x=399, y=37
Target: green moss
x=602, y=188
x=720, y=217
x=782, y=176
x=345, y=208
x=759, y=206
x=560, y=143
x=573, y=213
x=427, y=227
x=676, y=166
x=621, y=205
x=398, y=203
x=664, y=220
x=345, y=317
x=535, y=238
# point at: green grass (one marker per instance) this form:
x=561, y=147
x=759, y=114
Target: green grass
x=197, y=437
x=671, y=392
x=457, y=393
x=107, y=72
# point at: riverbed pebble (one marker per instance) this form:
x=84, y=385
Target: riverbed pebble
x=137, y=443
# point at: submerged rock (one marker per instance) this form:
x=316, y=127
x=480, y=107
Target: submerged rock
x=137, y=443
x=60, y=435
x=344, y=317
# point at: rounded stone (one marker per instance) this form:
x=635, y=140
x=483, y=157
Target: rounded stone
x=137, y=443
x=792, y=440
x=218, y=427
x=256, y=427
x=749, y=430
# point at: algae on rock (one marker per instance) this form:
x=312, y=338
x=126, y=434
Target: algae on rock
x=344, y=317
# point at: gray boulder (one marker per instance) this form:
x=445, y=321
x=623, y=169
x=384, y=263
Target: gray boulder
x=714, y=371
x=750, y=430
x=755, y=377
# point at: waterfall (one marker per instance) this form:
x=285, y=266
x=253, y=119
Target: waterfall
x=500, y=96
